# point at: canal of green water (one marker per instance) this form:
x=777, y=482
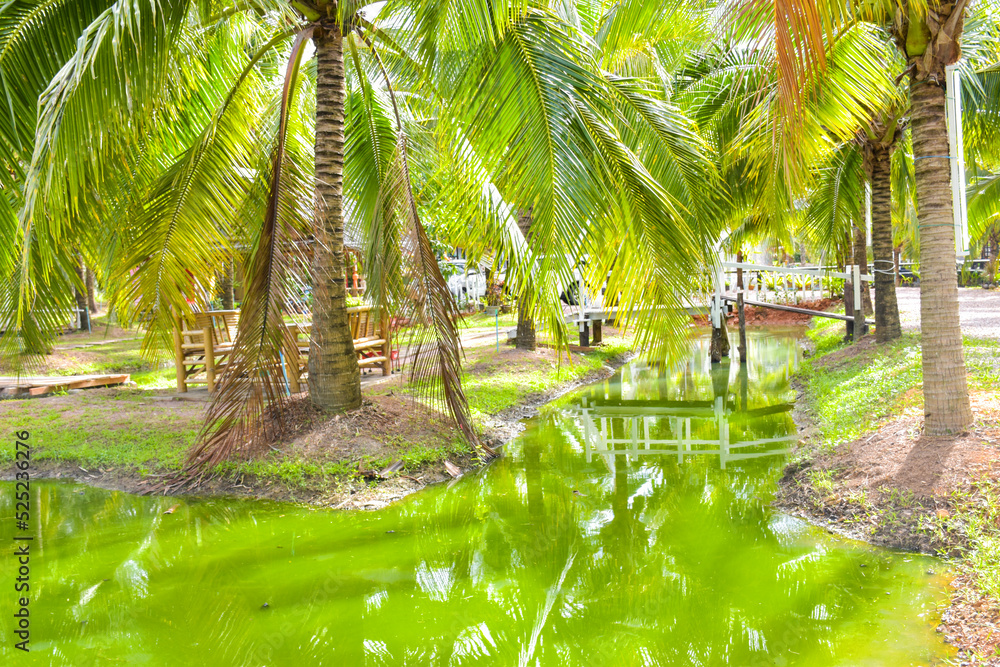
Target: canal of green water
x=629, y=525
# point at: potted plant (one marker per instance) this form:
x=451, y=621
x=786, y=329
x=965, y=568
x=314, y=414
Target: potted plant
x=494, y=297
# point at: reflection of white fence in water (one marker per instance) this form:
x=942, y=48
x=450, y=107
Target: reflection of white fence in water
x=636, y=421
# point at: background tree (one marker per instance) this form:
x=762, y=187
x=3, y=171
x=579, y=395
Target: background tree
x=612, y=165
x=879, y=141
x=928, y=34
x=91, y=300
x=525, y=323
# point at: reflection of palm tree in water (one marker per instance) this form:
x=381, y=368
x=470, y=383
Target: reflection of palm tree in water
x=533, y=481
x=544, y=559
x=624, y=537
x=744, y=386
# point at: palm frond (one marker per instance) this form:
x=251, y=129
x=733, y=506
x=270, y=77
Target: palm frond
x=193, y=210
x=254, y=383
x=407, y=278
x=984, y=204
x=434, y=345
x=835, y=204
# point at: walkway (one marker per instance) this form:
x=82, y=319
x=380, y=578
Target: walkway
x=979, y=310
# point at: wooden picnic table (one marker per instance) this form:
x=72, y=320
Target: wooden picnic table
x=198, y=363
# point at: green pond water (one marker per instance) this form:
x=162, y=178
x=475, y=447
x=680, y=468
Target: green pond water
x=630, y=525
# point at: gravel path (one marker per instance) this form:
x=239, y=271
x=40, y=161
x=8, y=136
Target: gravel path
x=979, y=310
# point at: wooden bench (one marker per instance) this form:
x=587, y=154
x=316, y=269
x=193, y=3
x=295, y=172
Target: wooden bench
x=296, y=354
x=196, y=362
x=200, y=364
x=370, y=332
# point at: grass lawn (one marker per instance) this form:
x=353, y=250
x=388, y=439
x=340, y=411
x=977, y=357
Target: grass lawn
x=144, y=430
x=494, y=381
x=105, y=428
x=476, y=320
x=852, y=396
x=106, y=349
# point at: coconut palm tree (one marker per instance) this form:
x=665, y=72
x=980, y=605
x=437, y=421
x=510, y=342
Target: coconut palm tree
x=213, y=134
x=928, y=34
x=980, y=101
x=202, y=68
x=785, y=161
x=889, y=130
x=928, y=37
x=879, y=141
x=877, y=137
x=645, y=236
x=24, y=25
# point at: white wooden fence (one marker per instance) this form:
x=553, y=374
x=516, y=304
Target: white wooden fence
x=816, y=278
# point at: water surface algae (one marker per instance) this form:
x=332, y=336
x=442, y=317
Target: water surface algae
x=629, y=525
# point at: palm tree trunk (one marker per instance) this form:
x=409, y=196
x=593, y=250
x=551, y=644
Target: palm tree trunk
x=525, y=324
x=946, y=393
x=886, y=309
x=226, y=285
x=91, y=301
x=525, y=327
x=334, y=379
x=81, y=297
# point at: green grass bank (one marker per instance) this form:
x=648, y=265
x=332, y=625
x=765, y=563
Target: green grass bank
x=866, y=469
x=131, y=437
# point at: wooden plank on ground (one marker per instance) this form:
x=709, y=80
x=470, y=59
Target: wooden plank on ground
x=36, y=386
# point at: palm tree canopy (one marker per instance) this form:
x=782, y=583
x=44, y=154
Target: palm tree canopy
x=198, y=117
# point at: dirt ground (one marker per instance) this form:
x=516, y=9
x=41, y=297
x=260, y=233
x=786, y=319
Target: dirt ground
x=900, y=466
x=107, y=347
x=888, y=487
x=756, y=315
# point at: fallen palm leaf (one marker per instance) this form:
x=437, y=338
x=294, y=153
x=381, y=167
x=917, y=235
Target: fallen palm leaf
x=395, y=466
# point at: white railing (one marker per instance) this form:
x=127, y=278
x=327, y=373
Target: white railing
x=753, y=284
x=819, y=279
